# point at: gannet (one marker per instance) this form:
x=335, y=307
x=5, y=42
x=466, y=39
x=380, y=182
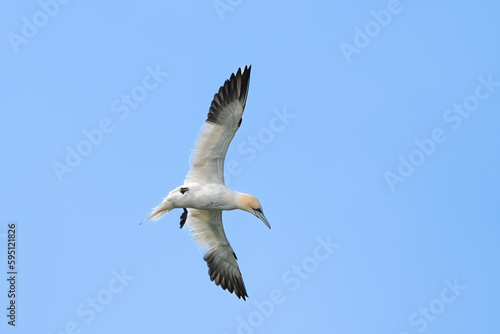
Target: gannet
x=204, y=195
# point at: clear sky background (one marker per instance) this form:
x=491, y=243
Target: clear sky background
x=370, y=136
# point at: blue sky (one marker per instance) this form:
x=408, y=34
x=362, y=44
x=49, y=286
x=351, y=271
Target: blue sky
x=370, y=137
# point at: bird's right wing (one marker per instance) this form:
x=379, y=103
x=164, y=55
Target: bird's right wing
x=224, y=119
x=206, y=228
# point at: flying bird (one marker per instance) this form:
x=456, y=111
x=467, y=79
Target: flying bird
x=204, y=195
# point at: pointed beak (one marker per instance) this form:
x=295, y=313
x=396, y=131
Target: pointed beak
x=259, y=214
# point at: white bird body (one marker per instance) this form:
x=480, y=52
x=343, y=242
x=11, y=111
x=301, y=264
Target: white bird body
x=210, y=196
x=204, y=196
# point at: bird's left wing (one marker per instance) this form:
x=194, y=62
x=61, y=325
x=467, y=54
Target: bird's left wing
x=206, y=228
x=224, y=119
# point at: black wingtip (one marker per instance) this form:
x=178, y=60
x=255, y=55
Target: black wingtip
x=223, y=279
x=236, y=87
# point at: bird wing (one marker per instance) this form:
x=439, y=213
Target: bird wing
x=206, y=228
x=224, y=119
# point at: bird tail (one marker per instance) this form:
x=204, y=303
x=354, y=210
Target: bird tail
x=160, y=210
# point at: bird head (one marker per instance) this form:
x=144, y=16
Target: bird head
x=252, y=205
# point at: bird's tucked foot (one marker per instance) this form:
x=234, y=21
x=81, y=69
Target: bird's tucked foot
x=184, y=217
